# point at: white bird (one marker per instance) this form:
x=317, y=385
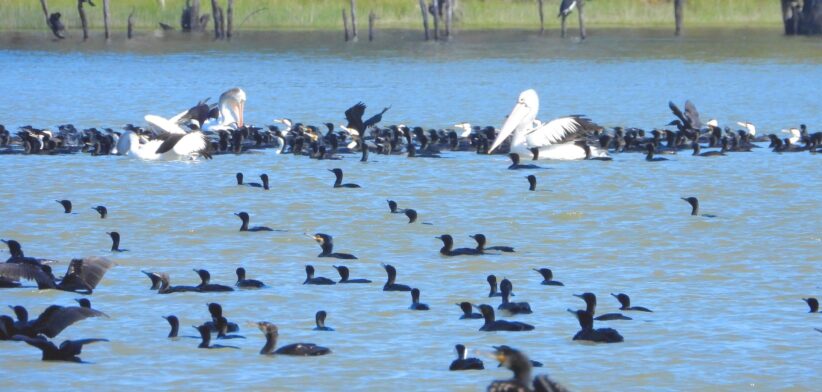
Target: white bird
x=172, y=143
x=466, y=129
x=750, y=127
x=287, y=122
x=795, y=134
x=231, y=107
x=554, y=139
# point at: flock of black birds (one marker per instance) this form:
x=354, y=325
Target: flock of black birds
x=362, y=137
x=83, y=275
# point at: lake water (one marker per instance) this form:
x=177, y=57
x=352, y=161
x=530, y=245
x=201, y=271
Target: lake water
x=726, y=292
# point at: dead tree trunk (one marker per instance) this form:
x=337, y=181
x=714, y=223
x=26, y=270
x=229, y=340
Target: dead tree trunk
x=354, y=20
x=222, y=22
x=215, y=9
x=345, y=24
x=435, y=7
x=424, y=18
x=678, y=17
x=45, y=6
x=448, y=16
x=562, y=26
x=83, y=19
x=194, y=21
x=130, y=28
x=581, y=6
x=371, y=18
x=230, y=17
x=541, y=18
x=106, y=18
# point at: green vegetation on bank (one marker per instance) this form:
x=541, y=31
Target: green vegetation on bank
x=18, y=15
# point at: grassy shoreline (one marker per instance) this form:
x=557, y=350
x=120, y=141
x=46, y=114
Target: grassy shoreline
x=27, y=15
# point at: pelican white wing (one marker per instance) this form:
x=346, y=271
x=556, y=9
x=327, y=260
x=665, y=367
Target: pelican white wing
x=162, y=125
x=561, y=130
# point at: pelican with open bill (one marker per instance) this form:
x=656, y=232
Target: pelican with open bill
x=553, y=140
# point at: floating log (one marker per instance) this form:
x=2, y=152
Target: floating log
x=424, y=19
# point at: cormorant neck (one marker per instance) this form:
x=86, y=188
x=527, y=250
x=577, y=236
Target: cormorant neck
x=270, y=343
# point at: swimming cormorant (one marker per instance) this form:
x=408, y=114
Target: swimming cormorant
x=319, y=320
x=310, y=279
x=244, y=283
x=448, y=245
x=587, y=331
x=345, y=273
x=463, y=363
x=326, y=242
x=625, y=303
x=492, y=324
x=548, y=277
x=415, y=301
x=115, y=242
x=102, y=210
x=591, y=305
x=271, y=333
x=244, y=227
x=392, y=276
x=339, y=174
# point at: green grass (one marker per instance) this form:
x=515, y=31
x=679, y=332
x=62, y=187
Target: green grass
x=18, y=15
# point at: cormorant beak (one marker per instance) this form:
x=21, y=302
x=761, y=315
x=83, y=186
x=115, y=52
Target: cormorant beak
x=574, y=312
x=579, y=296
x=614, y=295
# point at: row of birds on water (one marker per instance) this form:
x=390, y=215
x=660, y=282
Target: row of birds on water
x=205, y=130
x=558, y=139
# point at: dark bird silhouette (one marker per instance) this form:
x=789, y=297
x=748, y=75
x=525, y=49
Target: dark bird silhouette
x=415, y=301
x=515, y=165
x=205, y=335
x=206, y=286
x=448, y=245
x=591, y=305
x=392, y=206
x=345, y=275
x=481, y=241
x=66, y=205
x=319, y=320
x=310, y=279
x=83, y=275
x=650, y=155
x=411, y=214
x=326, y=242
x=511, y=307
x=548, y=277
x=587, y=331
x=625, y=303
x=532, y=182
x=694, y=202
x=813, y=304
x=102, y=210
x=244, y=283
x=565, y=7
x=53, y=320
x=519, y=363
x=463, y=363
x=167, y=288
x=338, y=173
x=56, y=25
x=271, y=333
x=392, y=276
x=245, y=218
x=156, y=279
x=68, y=351
x=115, y=242
x=492, y=324
x=354, y=116
x=467, y=311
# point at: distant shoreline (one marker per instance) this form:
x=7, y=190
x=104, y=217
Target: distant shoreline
x=469, y=15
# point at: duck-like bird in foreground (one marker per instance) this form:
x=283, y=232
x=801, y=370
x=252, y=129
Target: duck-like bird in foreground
x=553, y=140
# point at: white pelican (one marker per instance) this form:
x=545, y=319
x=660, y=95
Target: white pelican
x=231, y=107
x=466, y=129
x=554, y=139
x=750, y=127
x=172, y=142
x=795, y=134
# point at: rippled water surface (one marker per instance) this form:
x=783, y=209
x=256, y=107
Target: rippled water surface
x=726, y=292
